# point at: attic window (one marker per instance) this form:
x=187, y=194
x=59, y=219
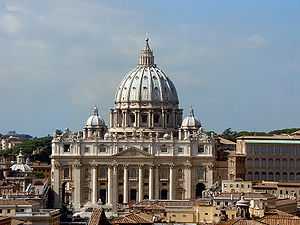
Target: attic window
x=66, y=147
x=145, y=77
x=137, y=77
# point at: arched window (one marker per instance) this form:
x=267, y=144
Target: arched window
x=256, y=176
x=263, y=175
x=271, y=176
x=292, y=176
x=277, y=176
x=298, y=176
x=249, y=176
x=284, y=176
x=270, y=164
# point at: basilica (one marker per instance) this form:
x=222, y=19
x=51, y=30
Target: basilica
x=148, y=151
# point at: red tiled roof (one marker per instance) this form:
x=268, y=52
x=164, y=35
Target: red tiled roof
x=242, y=222
x=281, y=220
x=98, y=217
x=132, y=218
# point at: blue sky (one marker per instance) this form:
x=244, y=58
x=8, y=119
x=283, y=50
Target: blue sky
x=236, y=62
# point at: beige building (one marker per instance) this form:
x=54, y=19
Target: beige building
x=147, y=152
x=272, y=158
x=238, y=186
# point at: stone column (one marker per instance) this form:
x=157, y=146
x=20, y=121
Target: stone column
x=109, y=185
x=171, y=183
x=163, y=119
x=125, y=187
x=94, y=183
x=149, y=120
x=152, y=119
x=55, y=180
x=115, y=186
x=137, y=118
x=157, y=183
x=150, y=182
x=209, y=174
x=141, y=192
x=111, y=118
x=187, y=181
x=77, y=184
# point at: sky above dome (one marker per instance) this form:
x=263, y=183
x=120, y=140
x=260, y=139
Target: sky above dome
x=236, y=62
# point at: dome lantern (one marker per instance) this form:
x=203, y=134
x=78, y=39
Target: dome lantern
x=146, y=57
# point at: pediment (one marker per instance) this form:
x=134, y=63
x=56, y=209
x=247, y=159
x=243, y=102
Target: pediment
x=133, y=152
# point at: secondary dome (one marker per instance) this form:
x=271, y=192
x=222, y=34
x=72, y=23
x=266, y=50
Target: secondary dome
x=147, y=83
x=94, y=120
x=20, y=166
x=190, y=121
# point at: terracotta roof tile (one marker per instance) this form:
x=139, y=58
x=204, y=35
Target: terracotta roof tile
x=282, y=220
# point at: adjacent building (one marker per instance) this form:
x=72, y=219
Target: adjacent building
x=271, y=158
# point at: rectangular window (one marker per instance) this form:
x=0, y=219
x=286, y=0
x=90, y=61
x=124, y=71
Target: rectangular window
x=120, y=149
x=103, y=172
x=156, y=118
x=86, y=149
x=102, y=148
x=132, y=172
x=180, y=150
x=8, y=211
x=200, y=148
x=66, y=173
x=146, y=149
x=200, y=173
x=164, y=148
x=66, y=147
x=144, y=118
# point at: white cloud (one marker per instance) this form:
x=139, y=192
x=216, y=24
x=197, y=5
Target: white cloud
x=256, y=41
x=10, y=23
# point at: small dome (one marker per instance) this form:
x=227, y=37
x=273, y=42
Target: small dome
x=20, y=165
x=166, y=136
x=94, y=120
x=242, y=202
x=190, y=121
x=107, y=136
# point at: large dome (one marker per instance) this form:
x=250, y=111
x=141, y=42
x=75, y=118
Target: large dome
x=147, y=83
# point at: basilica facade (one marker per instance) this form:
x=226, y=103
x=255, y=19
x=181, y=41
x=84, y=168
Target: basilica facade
x=147, y=151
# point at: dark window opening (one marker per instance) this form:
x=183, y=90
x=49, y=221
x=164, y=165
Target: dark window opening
x=66, y=147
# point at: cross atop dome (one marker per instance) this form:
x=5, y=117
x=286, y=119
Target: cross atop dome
x=191, y=111
x=95, y=111
x=146, y=57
